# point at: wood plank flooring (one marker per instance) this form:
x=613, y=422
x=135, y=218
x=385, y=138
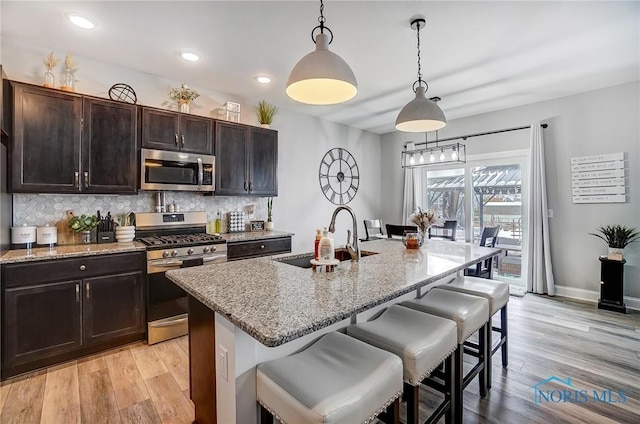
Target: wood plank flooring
x=598, y=350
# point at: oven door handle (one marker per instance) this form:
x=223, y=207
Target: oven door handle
x=169, y=323
x=200, y=172
x=214, y=257
x=168, y=264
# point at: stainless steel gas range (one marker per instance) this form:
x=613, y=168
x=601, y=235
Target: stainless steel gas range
x=173, y=240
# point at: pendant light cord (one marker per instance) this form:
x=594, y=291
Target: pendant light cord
x=419, y=65
x=322, y=27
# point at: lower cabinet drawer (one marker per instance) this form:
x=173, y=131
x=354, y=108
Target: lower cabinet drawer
x=253, y=249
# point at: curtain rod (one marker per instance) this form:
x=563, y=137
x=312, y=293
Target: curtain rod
x=464, y=137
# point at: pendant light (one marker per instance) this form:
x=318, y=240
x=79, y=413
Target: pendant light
x=322, y=77
x=420, y=114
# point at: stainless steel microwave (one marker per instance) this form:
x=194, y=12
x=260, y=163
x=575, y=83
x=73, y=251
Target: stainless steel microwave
x=177, y=171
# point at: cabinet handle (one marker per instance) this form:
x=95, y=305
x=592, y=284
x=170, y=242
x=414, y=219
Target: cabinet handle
x=250, y=186
x=87, y=288
x=262, y=246
x=76, y=179
x=86, y=179
x=245, y=185
x=182, y=138
x=77, y=292
x=176, y=138
x=82, y=267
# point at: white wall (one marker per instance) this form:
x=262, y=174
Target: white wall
x=602, y=121
x=303, y=140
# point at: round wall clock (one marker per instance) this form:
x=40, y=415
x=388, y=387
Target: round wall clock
x=339, y=176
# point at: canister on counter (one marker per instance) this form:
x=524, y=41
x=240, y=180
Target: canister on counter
x=23, y=237
x=47, y=236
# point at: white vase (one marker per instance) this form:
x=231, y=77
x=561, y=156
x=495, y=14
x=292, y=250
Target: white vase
x=125, y=234
x=265, y=125
x=184, y=106
x=615, y=253
x=269, y=225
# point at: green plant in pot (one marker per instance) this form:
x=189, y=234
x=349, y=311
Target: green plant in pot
x=265, y=112
x=83, y=224
x=617, y=238
x=269, y=224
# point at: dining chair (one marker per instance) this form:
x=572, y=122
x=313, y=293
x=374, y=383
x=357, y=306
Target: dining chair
x=446, y=232
x=489, y=238
x=398, y=230
x=373, y=228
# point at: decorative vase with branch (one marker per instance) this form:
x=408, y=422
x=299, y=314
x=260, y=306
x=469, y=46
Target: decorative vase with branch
x=265, y=112
x=184, y=96
x=50, y=62
x=68, y=77
x=617, y=238
x=269, y=224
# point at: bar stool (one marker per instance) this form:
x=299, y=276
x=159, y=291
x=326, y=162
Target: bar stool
x=471, y=314
x=338, y=379
x=497, y=293
x=423, y=342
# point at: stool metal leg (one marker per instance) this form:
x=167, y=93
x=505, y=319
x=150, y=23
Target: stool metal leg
x=482, y=378
x=503, y=335
x=487, y=353
x=413, y=406
x=458, y=375
x=265, y=416
x=449, y=386
x=392, y=414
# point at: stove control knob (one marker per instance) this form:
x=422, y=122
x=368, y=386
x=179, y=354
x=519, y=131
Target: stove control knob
x=190, y=252
x=213, y=249
x=206, y=249
x=165, y=254
x=174, y=253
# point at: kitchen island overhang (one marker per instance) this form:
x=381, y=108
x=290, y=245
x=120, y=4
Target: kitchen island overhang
x=247, y=312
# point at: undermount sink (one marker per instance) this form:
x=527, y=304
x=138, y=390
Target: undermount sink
x=303, y=260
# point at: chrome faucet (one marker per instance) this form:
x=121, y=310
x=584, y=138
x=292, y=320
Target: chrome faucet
x=352, y=248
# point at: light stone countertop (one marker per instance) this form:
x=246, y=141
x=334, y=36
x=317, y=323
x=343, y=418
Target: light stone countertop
x=275, y=302
x=254, y=235
x=68, y=251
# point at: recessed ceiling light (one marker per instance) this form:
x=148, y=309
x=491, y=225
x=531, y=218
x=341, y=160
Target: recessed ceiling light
x=80, y=21
x=190, y=56
x=263, y=79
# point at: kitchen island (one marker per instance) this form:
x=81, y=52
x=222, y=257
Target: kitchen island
x=247, y=312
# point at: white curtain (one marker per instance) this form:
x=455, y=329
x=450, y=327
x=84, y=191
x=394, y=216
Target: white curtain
x=540, y=274
x=412, y=197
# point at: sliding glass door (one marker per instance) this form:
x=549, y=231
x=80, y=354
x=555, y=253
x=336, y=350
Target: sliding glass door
x=485, y=192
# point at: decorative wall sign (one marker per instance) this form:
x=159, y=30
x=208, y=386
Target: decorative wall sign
x=598, y=178
x=339, y=176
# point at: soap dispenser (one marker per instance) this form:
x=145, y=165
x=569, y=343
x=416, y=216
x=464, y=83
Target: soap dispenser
x=316, y=254
x=326, y=249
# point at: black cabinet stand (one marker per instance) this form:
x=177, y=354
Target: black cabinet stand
x=612, y=285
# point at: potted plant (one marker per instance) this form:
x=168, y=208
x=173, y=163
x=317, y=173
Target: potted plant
x=265, y=113
x=84, y=224
x=617, y=238
x=269, y=224
x=184, y=96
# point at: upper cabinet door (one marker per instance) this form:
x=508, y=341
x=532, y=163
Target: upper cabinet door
x=263, y=162
x=109, y=147
x=46, y=140
x=196, y=134
x=160, y=129
x=231, y=158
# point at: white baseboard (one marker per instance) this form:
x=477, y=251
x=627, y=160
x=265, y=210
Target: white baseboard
x=593, y=296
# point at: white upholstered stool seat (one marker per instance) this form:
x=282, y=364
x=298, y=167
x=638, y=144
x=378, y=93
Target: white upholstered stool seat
x=471, y=314
x=338, y=379
x=497, y=293
x=422, y=341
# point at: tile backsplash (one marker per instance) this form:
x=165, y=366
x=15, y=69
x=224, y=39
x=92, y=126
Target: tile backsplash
x=41, y=209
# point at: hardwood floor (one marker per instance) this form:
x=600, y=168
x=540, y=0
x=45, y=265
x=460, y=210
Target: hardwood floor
x=598, y=350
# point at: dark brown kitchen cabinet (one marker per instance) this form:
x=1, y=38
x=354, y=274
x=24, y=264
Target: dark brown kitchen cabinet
x=257, y=248
x=167, y=130
x=246, y=160
x=61, y=309
x=67, y=143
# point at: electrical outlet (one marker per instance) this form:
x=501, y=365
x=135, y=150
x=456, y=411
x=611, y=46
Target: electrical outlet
x=223, y=362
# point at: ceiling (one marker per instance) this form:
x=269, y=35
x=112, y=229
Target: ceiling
x=477, y=56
